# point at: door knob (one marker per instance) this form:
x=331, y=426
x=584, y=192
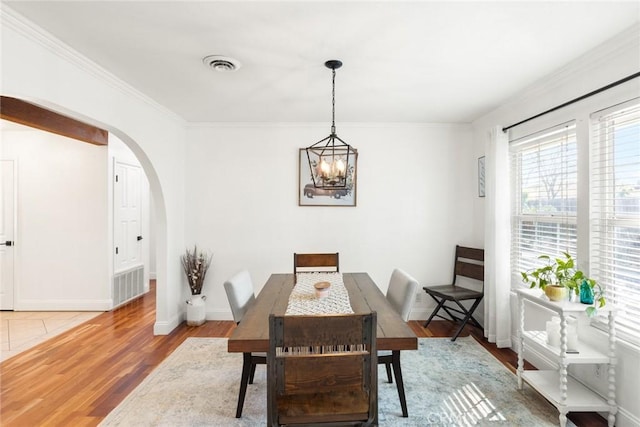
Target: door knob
x=139, y=238
x=7, y=243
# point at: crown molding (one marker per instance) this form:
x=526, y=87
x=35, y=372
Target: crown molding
x=326, y=125
x=9, y=18
x=618, y=46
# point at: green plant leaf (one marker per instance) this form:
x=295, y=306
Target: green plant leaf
x=591, y=311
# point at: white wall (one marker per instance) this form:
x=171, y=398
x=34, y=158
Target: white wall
x=415, y=183
x=72, y=85
x=62, y=241
x=610, y=62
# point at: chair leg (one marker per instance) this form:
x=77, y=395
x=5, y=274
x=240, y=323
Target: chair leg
x=466, y=318
x=397, y=372
x=253, y=372
x=433, y=314
x=246, y=371
x=389, y=377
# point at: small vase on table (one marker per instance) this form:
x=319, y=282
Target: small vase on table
x=586, y=293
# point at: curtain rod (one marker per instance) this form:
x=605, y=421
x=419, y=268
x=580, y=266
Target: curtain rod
x=580, y=98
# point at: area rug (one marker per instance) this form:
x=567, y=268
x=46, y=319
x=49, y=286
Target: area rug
x=447, y=384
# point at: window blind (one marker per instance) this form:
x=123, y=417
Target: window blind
x=544, y=196
x=615, y=207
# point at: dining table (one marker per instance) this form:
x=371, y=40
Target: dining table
x=393, y=334
x=252, y=334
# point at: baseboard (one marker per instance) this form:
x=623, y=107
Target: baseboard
x=152, y=275
x=165, y=327
x=63, y=305
x=625, y=419
x=219, y=315
x=421, y=313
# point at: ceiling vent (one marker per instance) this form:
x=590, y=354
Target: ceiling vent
x=221, y=63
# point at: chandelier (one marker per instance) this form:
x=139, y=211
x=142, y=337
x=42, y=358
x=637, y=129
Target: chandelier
x=331, y=160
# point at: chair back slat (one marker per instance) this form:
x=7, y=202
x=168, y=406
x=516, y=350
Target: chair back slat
x=316, y=262
x=307, y=375
x=469, y=262
x=322, y=330
x=473, y=271
x=470, y=253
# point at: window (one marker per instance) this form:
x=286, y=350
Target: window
x=615, y=207
x=544, y=196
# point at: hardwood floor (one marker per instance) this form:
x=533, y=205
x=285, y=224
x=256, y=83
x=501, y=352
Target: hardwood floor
x=77, y=378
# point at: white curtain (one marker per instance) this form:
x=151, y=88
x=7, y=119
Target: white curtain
x=497, y=275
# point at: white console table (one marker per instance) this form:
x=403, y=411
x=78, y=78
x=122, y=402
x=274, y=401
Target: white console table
x=564, y=392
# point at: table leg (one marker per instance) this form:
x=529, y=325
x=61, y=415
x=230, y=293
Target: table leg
x=397, y=372
x=246, y=372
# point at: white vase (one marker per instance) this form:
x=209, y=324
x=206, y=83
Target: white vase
x=196, y=310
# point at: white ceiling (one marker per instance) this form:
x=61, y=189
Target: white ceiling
x=420, y=61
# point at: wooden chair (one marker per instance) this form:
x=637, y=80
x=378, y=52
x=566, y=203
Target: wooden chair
x=401, y=294
x=322, y=370
x=315, y=263
x=239, y=289
x=469, y=262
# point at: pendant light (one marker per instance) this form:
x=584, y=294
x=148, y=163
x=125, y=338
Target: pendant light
x=331, y=160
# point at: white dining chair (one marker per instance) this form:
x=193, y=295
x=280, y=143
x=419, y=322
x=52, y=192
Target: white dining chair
x=401, y=295
x=240, y=294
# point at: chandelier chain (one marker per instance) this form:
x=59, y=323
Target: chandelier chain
x=333, y=102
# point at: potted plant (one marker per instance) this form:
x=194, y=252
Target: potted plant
x=558, y=277
x=195, y=265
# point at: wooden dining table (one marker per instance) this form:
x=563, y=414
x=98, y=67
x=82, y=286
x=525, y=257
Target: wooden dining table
x=252, y=334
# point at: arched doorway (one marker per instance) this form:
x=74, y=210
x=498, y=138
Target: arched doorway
x=158, y=205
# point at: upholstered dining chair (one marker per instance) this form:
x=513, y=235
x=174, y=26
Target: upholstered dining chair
x=315, y=262
x=239, y=289
x=401, y=294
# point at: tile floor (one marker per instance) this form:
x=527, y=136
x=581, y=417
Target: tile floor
x=21, y=330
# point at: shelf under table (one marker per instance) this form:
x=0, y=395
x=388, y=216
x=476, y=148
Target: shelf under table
x=579, y=397
x=586, y=353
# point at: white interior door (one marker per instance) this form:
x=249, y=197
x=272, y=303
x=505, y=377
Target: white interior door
x=7, y=227
x=127, y=216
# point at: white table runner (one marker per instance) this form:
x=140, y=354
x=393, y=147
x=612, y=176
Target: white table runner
x=303, y=300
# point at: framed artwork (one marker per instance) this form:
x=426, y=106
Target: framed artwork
x=308, y=195
x=481, y=177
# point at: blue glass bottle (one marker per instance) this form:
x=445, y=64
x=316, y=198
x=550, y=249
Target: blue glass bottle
x=586, y=293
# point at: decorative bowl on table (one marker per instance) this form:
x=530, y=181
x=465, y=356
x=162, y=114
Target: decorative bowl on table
x=322, y=289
